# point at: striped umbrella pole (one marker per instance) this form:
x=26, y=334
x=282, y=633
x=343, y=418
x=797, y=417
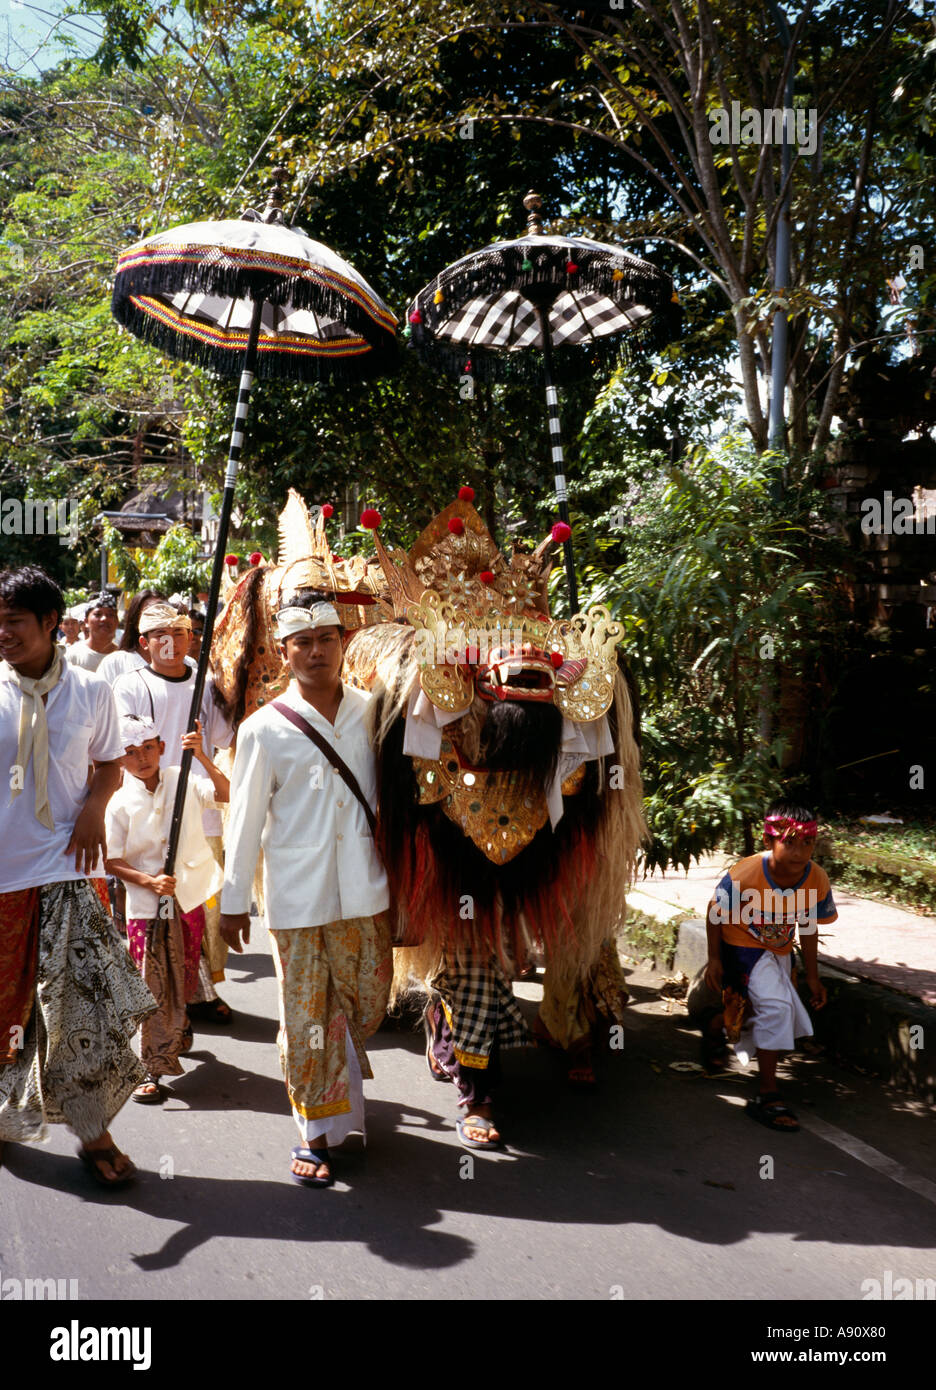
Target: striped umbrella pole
x=224, y=523
x=558, y=460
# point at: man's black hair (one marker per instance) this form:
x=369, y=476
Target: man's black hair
x=31, y=588
x=305, y=598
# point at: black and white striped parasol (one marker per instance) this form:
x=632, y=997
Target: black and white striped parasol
x=579, y=302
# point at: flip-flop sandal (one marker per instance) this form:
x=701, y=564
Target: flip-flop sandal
x=767, y=1109
x=150, y=1097
x=306, y=1155
x=92, y=1159
x=477, y=1122
x=212, y=1011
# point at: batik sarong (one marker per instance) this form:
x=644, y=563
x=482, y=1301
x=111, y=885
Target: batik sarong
x=167, y=952
x=192, y=925
x=334, y=983
x=19, y=950
x=214, y=945
x=572, y=1005
x=76, y=1066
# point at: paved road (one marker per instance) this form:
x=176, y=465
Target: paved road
x=651, y=1189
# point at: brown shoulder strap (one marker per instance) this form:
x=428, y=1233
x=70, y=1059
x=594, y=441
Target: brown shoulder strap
x=337, y=763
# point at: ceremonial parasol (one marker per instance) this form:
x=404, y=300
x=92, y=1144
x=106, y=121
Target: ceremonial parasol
x=578, y=301
x=249, y=295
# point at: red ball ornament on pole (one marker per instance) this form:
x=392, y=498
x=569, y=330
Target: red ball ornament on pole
x=561, y=532
x=256, y=558
x=370, y=519
x=232, y=559
x=466, y=494
x=328, y=510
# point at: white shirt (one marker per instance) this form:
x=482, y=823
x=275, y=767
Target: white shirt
x=116, y=663
x=320, y=863
x=138, y=824
x=166, y=701
x=82, y=722
x=83, y=654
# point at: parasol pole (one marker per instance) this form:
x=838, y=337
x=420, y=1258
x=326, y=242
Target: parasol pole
x=558, y=458
x=224, y=522
x=533, y=204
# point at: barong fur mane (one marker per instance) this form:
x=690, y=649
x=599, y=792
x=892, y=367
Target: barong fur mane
x=563, y=894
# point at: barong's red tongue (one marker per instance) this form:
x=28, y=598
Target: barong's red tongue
x=19, y=958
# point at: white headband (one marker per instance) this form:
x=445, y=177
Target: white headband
x=162, y=615
x=289, y=621
x=135, y=730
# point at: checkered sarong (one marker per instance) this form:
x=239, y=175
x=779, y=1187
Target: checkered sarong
x=480, y=1007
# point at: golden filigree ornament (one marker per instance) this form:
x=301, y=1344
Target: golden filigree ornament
x=438, y=633
x=496, y=813
x=585, y=693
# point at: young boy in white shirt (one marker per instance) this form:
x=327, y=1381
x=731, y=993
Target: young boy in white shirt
x=165, y=912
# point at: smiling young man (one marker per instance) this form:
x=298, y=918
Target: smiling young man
x=308, y=801
x=70, y=997
x=100, y=625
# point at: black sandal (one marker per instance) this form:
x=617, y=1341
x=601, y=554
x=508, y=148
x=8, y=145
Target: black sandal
x=150, y=1097
x=767, y=1108
x=211, y=1011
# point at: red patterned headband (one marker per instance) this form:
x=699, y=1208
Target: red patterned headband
x=784, y=826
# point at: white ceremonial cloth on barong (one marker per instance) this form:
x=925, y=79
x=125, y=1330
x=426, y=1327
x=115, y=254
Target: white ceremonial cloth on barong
x=336, y=1128
x=581, y=743
x=422, y=737
x=779, y=1016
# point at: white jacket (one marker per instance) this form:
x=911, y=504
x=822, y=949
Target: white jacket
x=320, y=863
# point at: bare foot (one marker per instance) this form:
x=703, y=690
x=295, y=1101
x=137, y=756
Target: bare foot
x=110, y=1171
x=311, y=1170
x=482, y=1136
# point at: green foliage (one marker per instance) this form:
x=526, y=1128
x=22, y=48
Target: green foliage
x=174, y=566
x=724, y=592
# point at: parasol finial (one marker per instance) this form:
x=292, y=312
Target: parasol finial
x=533, y=203
x=273, y=212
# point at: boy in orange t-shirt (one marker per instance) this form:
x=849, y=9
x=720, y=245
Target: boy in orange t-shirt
x=752, y=921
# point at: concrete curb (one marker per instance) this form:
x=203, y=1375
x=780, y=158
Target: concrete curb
x=867, y=1026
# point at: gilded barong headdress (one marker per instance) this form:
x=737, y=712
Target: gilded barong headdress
x=482, y=622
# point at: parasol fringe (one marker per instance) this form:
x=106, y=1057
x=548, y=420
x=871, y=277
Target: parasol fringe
x=381, y=360
x=226, y=281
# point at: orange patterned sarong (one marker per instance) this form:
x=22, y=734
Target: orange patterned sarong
x=19, y=960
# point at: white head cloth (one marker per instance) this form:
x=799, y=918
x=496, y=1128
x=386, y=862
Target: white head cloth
x=162, y=615
x=134, y=730
x=289, y=621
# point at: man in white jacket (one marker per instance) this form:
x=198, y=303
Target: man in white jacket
x=304, y=788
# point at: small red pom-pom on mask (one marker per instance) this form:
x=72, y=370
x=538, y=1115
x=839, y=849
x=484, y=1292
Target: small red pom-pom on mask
x=256, y=558
x=561, y=532
x=456, y=525
x=557, y=659
x=415, y=316
x=232, y=559
x=486, y=576
x=466, y=494
x=328, y=510
x=571, y=267
x=370, y=519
